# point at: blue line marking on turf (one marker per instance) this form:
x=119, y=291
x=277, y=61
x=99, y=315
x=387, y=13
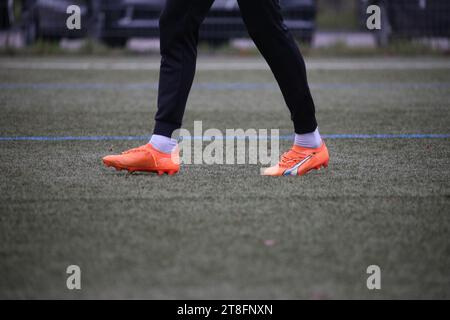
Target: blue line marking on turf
x=217, y=86
x=284, y=137
x=72, y=138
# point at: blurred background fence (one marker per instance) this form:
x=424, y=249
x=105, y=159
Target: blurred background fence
x=315, y=23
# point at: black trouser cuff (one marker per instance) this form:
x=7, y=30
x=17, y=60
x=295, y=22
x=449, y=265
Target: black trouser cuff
x=302, y=128
x=165, y=128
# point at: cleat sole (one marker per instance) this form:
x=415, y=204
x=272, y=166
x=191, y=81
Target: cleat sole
x=318, y=167
x=133, y=170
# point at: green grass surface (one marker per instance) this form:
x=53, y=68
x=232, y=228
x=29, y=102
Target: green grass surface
x=202, y=233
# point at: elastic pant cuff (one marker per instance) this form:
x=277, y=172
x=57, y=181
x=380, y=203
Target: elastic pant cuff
x=165, y=128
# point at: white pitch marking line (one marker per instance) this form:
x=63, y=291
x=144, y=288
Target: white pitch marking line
x=236, y=65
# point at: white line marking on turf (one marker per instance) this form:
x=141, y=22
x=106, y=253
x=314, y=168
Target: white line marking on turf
x=231, y=65
x=205, y=138
x=221, y=85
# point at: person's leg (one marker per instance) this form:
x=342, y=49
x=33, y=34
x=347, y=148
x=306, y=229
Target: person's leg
x=179, y=25
x=265, y=25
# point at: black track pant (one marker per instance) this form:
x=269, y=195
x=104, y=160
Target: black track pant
x=179, y=26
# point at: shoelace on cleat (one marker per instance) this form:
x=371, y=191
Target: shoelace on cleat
x=138, y=149
x=292, y=157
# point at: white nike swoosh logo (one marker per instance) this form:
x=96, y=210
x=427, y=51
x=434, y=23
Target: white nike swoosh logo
x=294, y=170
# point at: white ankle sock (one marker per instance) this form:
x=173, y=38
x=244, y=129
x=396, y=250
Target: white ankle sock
x=162, y=143
x=308, y=140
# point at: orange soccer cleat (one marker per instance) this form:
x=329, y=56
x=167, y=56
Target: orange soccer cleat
x=299, y=161
x=145, y=158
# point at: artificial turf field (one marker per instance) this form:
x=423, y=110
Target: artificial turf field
x=224, y=231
